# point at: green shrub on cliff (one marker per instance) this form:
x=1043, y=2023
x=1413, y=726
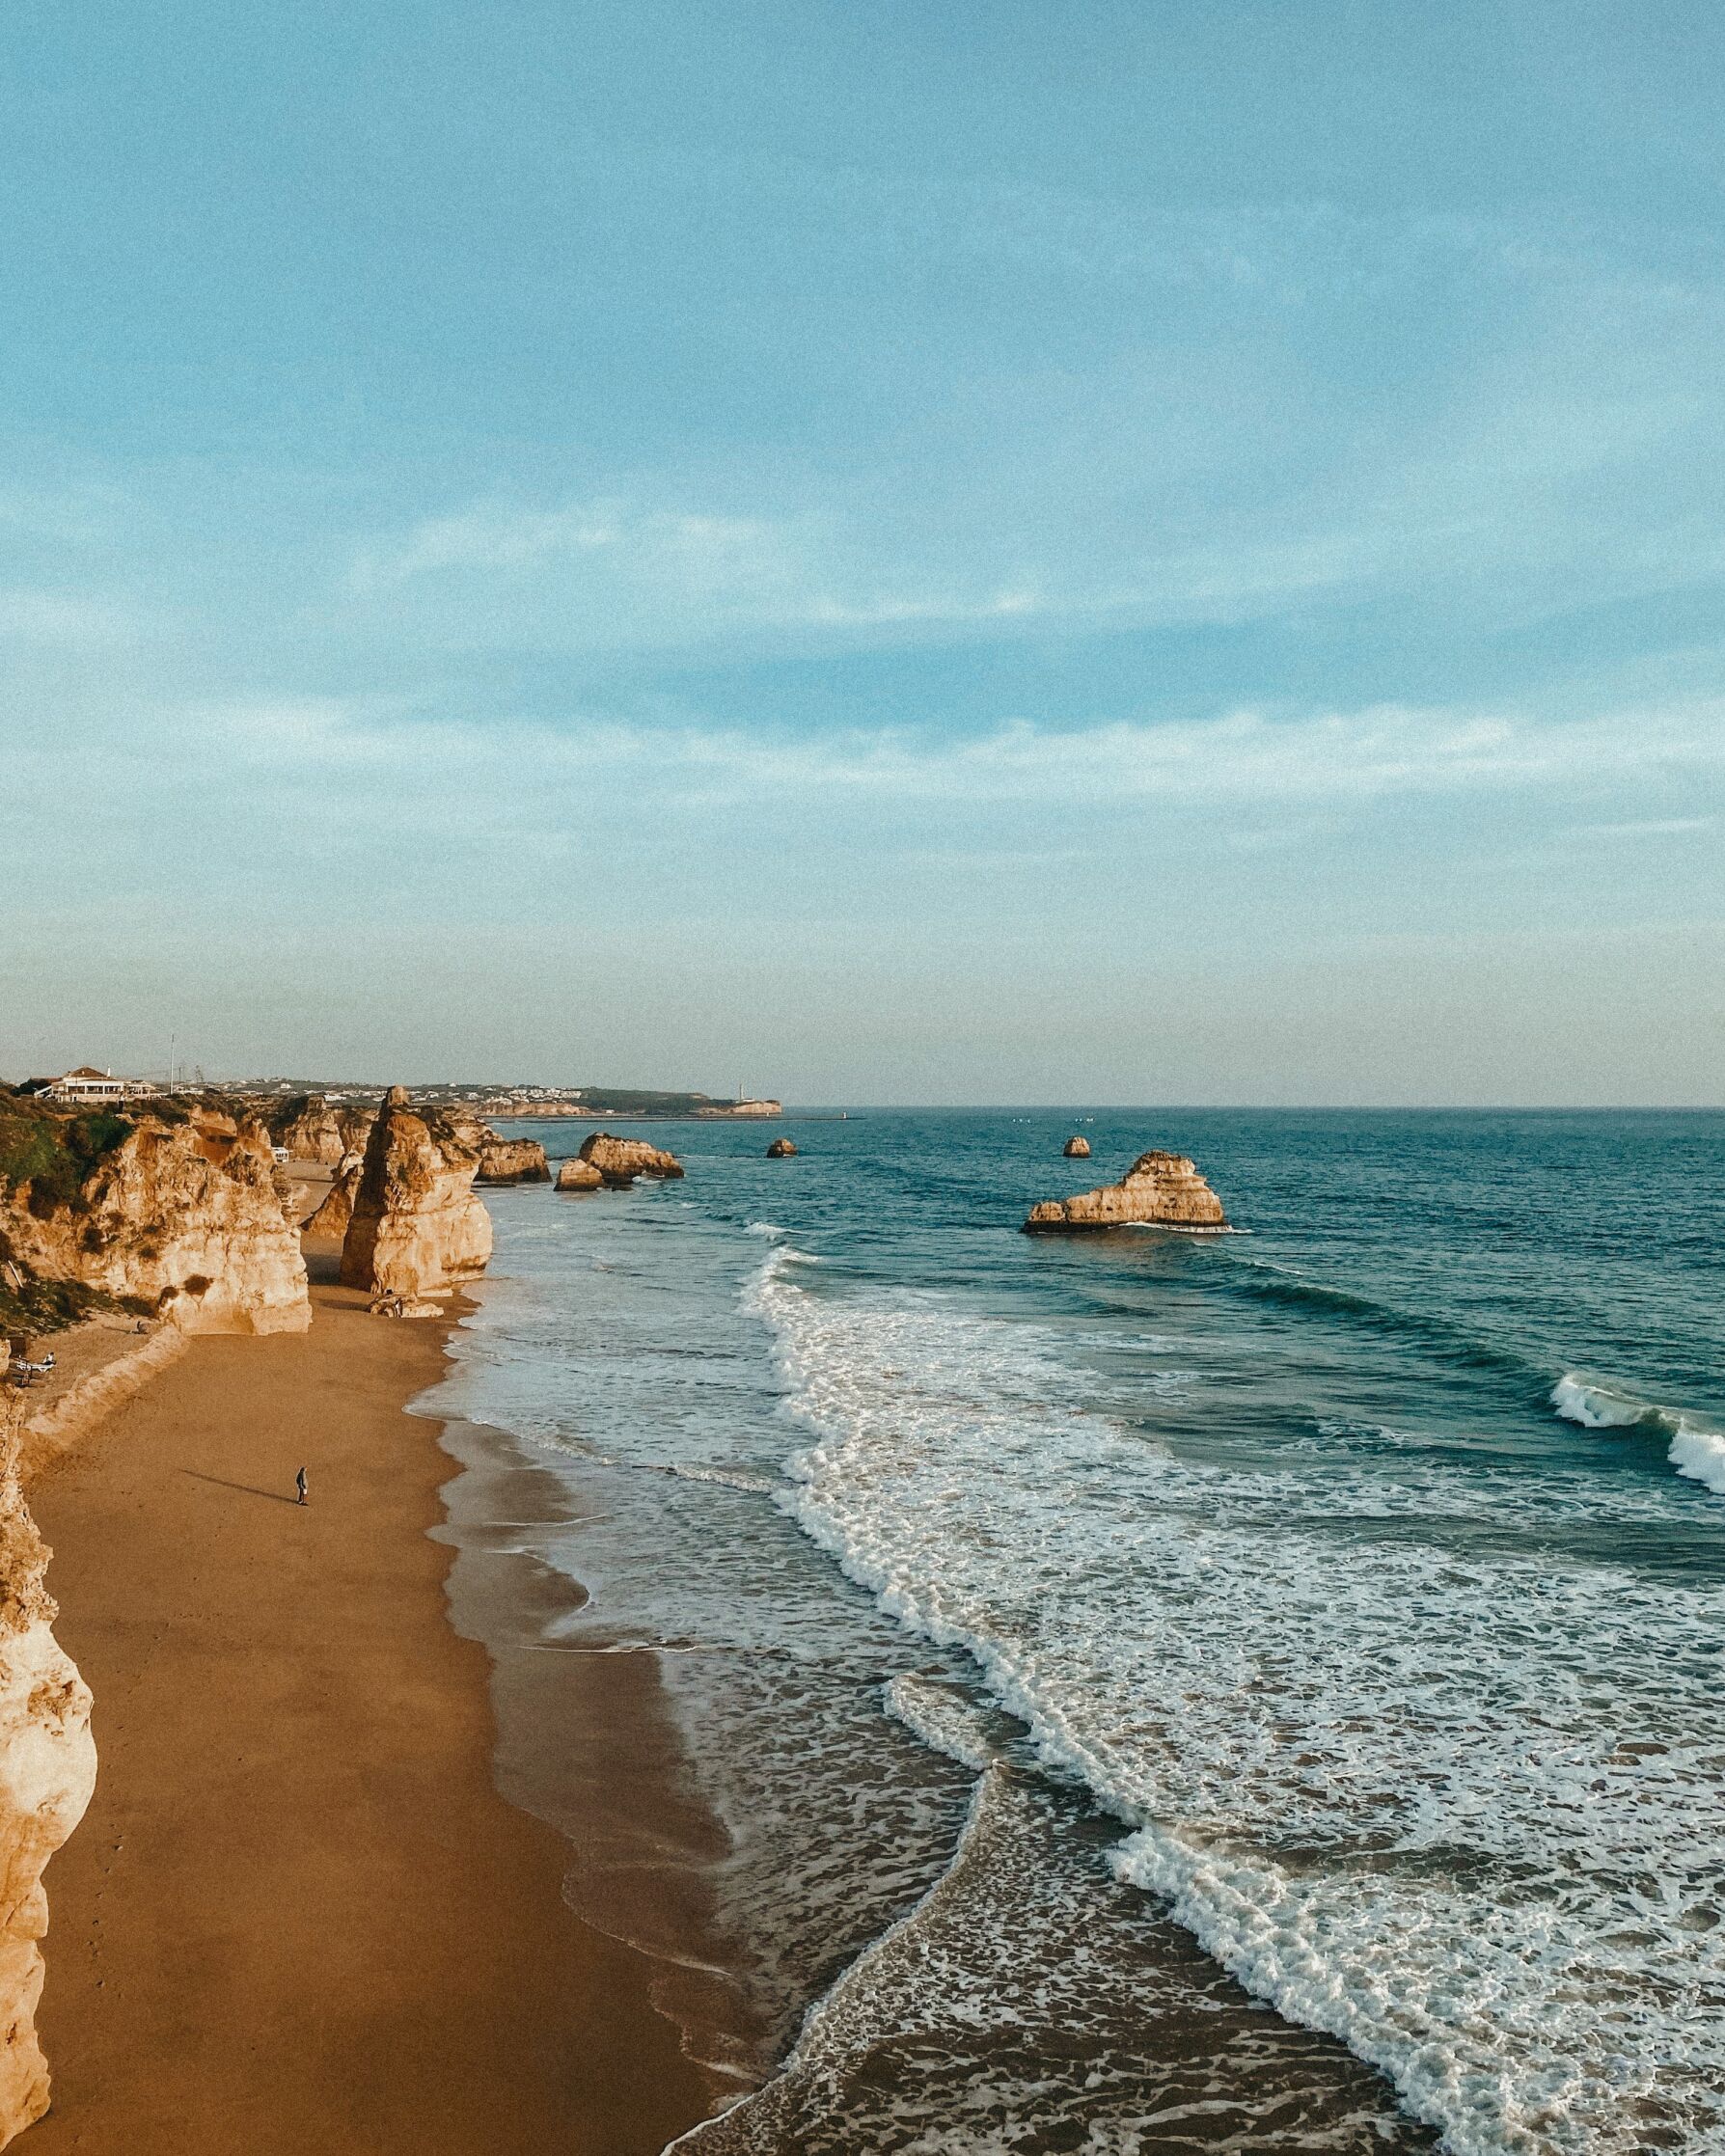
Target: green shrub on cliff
x=53, y=1152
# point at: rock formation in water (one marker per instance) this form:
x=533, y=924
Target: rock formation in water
x=309, y=1128
x=47, y=1771
x=417, y=1229
x=579, y=1175
x=331, y=1219
x=512, y=1161
x=1077, y=1149
x=175, y=1209
x=781, y=1149
x=1160, y=1189
x=619, y=1160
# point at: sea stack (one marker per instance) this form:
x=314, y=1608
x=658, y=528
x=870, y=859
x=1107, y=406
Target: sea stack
x=1160, y=1189
x=619, y=1160
x=1077, y=1149
x=579, y=1175
x=512, y=1161
x=417, y=1228
x=781, y=1149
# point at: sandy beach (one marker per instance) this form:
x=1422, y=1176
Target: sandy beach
x=299, y=1915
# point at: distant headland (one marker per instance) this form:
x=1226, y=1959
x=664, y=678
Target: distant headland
x=90, y=1088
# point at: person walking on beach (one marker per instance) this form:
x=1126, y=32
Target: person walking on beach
x=299, y=1484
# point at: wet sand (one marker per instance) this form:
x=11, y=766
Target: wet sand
x=299, y=1915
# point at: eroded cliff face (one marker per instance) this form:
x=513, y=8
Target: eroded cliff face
x=1160, y=1189
x=332, y=1217
x=417, y=1227
x=183, y=1213
x=310, y=1129
x=47, y=1771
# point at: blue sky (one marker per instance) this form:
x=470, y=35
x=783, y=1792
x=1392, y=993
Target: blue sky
x=886, y=552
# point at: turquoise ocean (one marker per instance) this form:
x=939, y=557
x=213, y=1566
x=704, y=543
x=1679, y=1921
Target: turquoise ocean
x=1248, y=1690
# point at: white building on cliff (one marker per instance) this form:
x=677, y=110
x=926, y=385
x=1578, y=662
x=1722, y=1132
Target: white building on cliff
x=91, y=1087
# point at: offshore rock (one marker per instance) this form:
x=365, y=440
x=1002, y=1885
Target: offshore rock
x=512, y=1161
x=619, y=1160
x=579, y=1175
x=417, y=1229
x=332, y=1217
x=781, y=1149
x=47, y=1771
x=181, y=1208
x=1077, y=1149
x=1160, y=1189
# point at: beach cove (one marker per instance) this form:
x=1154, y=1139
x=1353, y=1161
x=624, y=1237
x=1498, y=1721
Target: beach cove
x=297, y=1914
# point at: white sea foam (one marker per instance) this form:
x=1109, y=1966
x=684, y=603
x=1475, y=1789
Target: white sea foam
x=1695, y=1449
x=940, y=1717
x=1460, y=1805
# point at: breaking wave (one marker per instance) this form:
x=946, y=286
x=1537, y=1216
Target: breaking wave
x=1695, y=1449
x=1379, y=1780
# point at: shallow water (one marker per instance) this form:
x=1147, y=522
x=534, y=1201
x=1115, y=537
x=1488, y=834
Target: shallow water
x=1350, y=1587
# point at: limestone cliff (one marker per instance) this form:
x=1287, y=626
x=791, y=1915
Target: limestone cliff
x=1160, y=1189
x=172, y=1209
x=309, y=1128
x=332, y=1216
x=47, y=1771
x=417, y=1228
x=619, y=1160
x=512, y=1161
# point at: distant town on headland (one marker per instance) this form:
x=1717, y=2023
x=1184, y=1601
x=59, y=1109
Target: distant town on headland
x=104, y=1087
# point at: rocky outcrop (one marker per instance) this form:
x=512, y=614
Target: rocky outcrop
x=781, y=1149
x=309, y=1128
x=174, y=1209
x=47, y=1771
x=579, y=1175
x=417, y=1229
x=619, y=1160
x=1077, y=1149
x=512, y=1161
x=331, y=1219
x=1160, y=1189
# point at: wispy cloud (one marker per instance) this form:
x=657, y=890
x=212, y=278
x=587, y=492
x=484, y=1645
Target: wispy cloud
x=55, y=617
x=1239, y=758
x=1651, y=827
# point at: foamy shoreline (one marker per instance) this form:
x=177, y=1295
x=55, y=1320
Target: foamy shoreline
x=298, y=1914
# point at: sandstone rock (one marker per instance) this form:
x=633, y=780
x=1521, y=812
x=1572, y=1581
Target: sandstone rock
x=47, y=1771
x=332, y=1216
x=619, y=1160
x=781, y=1149
x=1077, y=1149
x=397, y=1306
x=181, y=1211
x=310, y=1129
x=417, y=1229
x=512, y=1161
x=579, y=1175
x=1162, y=1189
